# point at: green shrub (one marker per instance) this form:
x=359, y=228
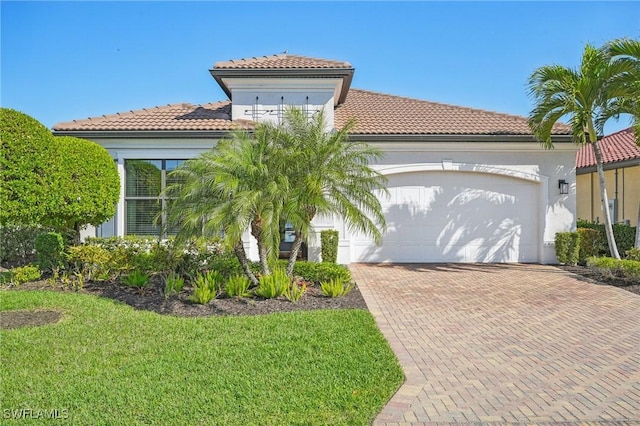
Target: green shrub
x=273, y=285
x=567, y=247
x=27, y=152
x=237, y=286
x=23, y=274
x=621, y=268
x=201, y=255
x=589, y=244
x=295, y=291
x=329, y=245
x=91, y=261
x=318, y=272
x=136, y=279
x=630, y=268
x=623, y=234
x=633, y=254
x=50, y=251
x=173, y=284
x=18, y=243
x=206, y=287
x=336, y=288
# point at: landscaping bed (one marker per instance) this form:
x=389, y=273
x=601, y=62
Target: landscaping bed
x=596, y=276
x=152, y=299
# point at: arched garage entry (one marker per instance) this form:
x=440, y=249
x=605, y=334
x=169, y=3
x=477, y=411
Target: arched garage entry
x=458, y=213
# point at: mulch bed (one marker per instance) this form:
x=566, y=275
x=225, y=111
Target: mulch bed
x=152, y=299
x=603, y=278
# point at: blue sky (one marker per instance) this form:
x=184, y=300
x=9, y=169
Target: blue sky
x=70, y=60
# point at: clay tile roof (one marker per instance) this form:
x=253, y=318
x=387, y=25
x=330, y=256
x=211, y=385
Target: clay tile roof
x=208, y=117
x=374, y=113
x=619, y=146
x=280, y=61
x=377, y=113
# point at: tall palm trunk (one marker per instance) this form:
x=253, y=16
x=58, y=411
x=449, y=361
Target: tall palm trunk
x=295, y=249
x=238, y=249
x=613, y=248
x=638, y=229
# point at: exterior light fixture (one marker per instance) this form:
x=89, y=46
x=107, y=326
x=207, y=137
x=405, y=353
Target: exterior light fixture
x=564, y=186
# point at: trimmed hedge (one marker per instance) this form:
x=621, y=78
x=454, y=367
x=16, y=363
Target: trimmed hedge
x=329, y=245
x=568, y=247
x=590, y=242
x=624, y=235
x=622, y=268
x=50, y=251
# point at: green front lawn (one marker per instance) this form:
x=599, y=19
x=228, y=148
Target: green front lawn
x=105, y=363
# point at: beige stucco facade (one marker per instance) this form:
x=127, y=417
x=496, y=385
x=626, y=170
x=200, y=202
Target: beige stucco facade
x=623, y=185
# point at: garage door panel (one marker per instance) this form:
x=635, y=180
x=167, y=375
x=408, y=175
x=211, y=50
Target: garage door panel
x=455, y=217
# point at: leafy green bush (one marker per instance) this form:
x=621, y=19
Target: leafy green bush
x=622, y=268
x=206, y=287
x=50, y=251
x=318, y=272
x=633, y=254
x=589, y=244
x=624, y=235
x=237, y=286
x=136, y=279
x=273, y=285
x=173, y=284
x=18, y=242
x=336, y=288
x=22, y=274
x=630, y=268
x=567, y=247
x=91, y=261
x=329, y=245
x=295, y=291
x=27, y=151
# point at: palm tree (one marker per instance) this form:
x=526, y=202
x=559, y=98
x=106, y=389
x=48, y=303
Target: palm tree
x=627, y=51
x=234, y=187
x=329, y=176
x=586, y=96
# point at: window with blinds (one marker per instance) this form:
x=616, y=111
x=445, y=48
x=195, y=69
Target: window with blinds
x=145, y=180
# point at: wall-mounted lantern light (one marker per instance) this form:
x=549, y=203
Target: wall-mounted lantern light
x=564, y=186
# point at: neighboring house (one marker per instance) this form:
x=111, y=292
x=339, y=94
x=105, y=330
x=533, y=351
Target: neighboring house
x=466, y=185
x=621, y=161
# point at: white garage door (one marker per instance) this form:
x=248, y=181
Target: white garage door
x=455, y=217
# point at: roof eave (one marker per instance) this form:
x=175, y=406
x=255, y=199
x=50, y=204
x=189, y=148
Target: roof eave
x=365, y=137
x=139, y=134
x=346, y=74
x=630, y=162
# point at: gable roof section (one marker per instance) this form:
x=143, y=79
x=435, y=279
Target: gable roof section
x=281, y=61
x=617, y=147
x=281, y=66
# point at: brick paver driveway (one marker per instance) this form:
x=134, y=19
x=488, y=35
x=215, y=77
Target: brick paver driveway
x=506, y=344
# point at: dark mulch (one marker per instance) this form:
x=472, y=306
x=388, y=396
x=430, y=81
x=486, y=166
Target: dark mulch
x=595, y=276
x=152, y=299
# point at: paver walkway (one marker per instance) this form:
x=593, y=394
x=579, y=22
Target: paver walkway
x=527, y=344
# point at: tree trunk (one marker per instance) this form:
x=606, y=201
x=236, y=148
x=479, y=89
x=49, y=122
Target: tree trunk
x=638, y=229
x=238, y=249
x=257, y=232
x=295, y=249
x=613, y=248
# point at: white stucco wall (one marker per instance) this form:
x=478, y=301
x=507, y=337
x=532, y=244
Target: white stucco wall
x=519, y=160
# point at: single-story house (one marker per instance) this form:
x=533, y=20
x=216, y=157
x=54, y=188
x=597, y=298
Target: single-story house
x=466, y=185
x=621, y=163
